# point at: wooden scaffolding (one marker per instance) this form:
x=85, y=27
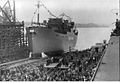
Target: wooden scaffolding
x=13, y=43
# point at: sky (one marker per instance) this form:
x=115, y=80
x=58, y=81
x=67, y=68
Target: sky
x=81, y=11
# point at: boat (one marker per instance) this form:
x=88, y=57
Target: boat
x=53, y=37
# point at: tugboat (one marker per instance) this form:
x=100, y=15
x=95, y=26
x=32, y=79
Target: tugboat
x=52, y=37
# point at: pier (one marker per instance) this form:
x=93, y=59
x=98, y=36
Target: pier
x=109, y=67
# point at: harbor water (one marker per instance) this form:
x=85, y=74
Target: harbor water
x=88, y=37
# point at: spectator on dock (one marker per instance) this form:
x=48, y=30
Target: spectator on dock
x=96, y=49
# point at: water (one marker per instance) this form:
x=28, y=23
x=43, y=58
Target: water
x=88, y=37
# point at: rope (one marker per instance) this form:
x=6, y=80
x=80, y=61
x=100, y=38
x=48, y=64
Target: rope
x=45, y=9
x=49, y=11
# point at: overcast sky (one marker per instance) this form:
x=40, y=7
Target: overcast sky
x=81, y=11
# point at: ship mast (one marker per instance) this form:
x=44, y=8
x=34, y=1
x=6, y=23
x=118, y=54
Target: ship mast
x=14, y=13
x=38, y=6
x=38, y=16
x=119, y=10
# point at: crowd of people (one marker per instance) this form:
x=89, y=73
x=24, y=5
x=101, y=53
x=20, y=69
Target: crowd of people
x=27, y=72
x=81, y=67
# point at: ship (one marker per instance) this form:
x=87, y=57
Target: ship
x=53, y=37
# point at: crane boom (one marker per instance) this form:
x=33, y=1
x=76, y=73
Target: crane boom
x=5, y=14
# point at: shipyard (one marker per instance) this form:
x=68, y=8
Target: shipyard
x=58, y=48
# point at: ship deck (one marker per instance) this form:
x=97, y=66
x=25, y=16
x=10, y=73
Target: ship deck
x=109, y=68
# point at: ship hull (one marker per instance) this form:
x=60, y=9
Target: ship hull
x=47, y=40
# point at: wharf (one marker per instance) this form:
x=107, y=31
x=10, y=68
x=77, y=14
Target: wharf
x=109, y=67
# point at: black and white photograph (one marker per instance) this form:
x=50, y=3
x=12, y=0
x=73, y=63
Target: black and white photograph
x=59, y=40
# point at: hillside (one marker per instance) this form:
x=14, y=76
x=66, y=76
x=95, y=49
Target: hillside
x=90, y=25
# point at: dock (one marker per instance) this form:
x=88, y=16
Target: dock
x=109, y=67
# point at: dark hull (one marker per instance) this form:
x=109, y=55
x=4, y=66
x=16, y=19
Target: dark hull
x=47, y=40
